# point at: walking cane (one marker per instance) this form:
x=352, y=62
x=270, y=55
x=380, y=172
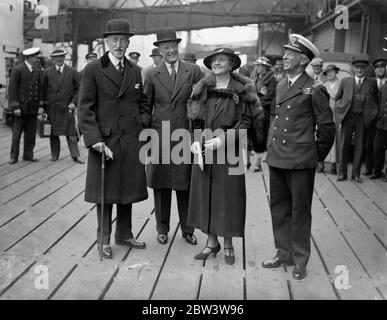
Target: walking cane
x=102, y=197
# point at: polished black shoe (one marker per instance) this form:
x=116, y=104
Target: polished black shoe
x=229, y=258
x=376, y=176
x=277, y=262
x=79, y=160
x=341, y=177
x=107, y=252
x=133, y=243
x=357, y=179
x=367, y=172
x=162, y=238
x=12, y=161
x=31, y=159
x=190, y=238
x=299, y=272
x=204, y=255
x=54, y=159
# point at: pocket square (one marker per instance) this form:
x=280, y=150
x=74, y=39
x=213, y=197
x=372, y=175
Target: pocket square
x=137, y=86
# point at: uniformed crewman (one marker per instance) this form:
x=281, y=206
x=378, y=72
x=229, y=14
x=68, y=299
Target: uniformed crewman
x=302, y=133
x=24, y=101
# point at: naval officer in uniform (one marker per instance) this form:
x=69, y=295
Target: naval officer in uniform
x=301, y=134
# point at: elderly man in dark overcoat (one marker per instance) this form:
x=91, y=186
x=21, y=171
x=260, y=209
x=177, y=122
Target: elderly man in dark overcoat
x=168, y=88
x=60, y=92
x=301, y=134
x=355, y=109
x=25, y=102
x=112, y=113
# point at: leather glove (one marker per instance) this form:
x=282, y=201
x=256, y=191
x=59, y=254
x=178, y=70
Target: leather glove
x=99, y=146
x=17, y=112
x=213, y=144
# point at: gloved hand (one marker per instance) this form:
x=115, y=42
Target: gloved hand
x=213, y=144
x=17, y=112
x=71, y=107
x=196, y=148
x=99, y=146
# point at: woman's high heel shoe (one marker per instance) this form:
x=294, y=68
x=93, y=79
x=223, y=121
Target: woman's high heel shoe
x=203, y=256
x=230, y=259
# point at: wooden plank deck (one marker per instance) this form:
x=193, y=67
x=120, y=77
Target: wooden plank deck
x=45, y=221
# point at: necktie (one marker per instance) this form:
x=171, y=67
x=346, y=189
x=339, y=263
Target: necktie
x=173, y=73
x=359, y=83
x=121, y=69
x=59, y=72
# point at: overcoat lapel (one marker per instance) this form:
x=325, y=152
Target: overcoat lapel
x=163, y=76
x=182, y=76
x=129, y=77
x=295, y=89
x=110, y=71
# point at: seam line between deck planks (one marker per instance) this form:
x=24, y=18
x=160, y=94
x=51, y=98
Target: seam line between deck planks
x=60, y=284
x=44, y=221
x=13, y=218
x=111, y=280
x=18, y=277
x=164, y=261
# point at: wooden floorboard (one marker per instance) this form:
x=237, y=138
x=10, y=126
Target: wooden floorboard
x=44, y=221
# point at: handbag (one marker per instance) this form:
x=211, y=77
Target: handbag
x=43, y=126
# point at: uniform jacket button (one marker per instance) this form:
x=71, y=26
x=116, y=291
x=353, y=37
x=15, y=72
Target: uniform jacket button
x=289, y=107
x=283, y=141
x=275, y=128
x=276, y=116
x=287, y=118
x=273, y=139
x=285, y=130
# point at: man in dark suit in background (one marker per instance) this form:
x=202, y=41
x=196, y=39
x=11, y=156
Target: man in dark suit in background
x=157, y=59
x=60, y=92
x=24, y=101
x=168, y=88
x=356, y=107
x=301, y=134
x=380, y=143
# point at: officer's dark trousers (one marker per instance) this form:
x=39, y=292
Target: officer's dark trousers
x=380, y=145
x=123, y=222
x=291, y=193
x=352, y=123
x=369, y=137
x=26, y=123
x=163, y=209
x=72, y=142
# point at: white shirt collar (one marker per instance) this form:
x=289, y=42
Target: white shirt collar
x=294, y=79
x=115, y=61
x=169, y=66
x=59, y=67
x=357, y=79
x=29, y=66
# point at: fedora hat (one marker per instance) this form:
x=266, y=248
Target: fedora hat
x=155, y=53
x=331, y=67
x=91, y=55
x=165, y=35
x=117, y=26
x=134, y=54
x=58, y=53
x=237, y=61
x=264, y=61
x=190, y=56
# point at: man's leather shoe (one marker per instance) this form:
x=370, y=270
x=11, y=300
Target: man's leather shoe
x=320, y=167
x=12, y=161
x=376, y=176
x=299, y=272
x=162, y=238
x=31, y=159
x=357, y=179
x=341, y=177
x=133, y=243
x=107, y=252
x=190, y=238
x=54, y=158
x=79, y=160
x=277, y=262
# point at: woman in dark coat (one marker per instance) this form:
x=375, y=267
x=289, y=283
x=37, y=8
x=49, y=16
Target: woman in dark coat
x=265, y=84
x=217, y=202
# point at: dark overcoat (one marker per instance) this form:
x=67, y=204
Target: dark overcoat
x=113, y=110
x=345, y=96
x=58, y=92
x=217, y=201
x=169, y=103
x=302, y=131
x=382, y=117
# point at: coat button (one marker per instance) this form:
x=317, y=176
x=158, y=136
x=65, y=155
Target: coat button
x=273, y=139
x=285, y=130
x=275, y=128
x=276, y=116
x=289, y=107
x=283, y=141
x=287, y=118
x=278, y=105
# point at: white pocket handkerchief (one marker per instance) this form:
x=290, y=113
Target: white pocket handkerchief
x=137, y=86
